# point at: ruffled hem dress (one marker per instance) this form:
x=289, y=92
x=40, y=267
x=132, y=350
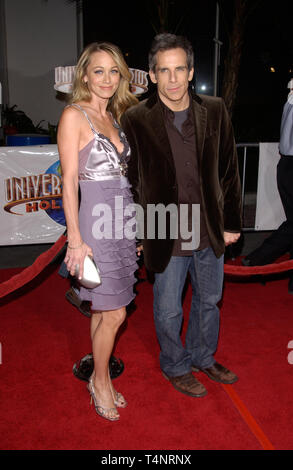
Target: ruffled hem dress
x=107, y=219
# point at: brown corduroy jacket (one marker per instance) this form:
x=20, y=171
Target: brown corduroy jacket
x=152, y=174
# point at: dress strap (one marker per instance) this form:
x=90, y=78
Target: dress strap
x=86, y=115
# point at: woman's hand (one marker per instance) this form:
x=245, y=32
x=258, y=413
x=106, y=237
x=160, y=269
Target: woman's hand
x=75, y=257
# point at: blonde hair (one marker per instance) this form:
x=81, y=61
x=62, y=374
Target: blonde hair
x=123, y=98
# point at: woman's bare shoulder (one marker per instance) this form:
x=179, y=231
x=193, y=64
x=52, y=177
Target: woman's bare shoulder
x=71, y=111
x=71, y=115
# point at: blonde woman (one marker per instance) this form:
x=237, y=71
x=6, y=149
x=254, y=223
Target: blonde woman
x=94, y=153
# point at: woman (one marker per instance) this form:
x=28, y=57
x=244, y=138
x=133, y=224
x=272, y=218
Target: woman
x=94, y=153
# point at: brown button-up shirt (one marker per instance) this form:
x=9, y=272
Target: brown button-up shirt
x=182, y=142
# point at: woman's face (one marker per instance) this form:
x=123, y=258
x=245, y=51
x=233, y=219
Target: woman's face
x=102, y=75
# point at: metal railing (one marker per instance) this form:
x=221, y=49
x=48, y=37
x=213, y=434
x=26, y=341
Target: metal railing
x=243, y=175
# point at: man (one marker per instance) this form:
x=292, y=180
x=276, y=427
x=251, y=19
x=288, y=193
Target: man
x=183, y=153
x=281, y=240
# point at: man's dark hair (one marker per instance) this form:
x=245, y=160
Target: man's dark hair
x=167, y=41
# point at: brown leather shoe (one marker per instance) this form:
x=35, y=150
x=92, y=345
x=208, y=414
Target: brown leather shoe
x=187, y=384
x=83, y=305
x=218, y=373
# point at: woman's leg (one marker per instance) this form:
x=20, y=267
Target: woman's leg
x=104, y=327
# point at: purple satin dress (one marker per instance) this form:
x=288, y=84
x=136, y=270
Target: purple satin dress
x=104, y=223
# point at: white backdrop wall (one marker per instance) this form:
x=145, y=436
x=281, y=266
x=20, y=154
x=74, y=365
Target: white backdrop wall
x=40, y=35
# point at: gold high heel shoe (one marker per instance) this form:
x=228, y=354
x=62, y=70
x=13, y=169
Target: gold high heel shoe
x=102, y=411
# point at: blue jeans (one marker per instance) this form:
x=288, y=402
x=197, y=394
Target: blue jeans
x=206, y=274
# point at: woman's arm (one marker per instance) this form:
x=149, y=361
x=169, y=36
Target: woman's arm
x=68, y=139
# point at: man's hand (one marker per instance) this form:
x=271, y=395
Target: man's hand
x=230, y=238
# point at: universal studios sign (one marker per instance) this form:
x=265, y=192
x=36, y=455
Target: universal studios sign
x=64, y=78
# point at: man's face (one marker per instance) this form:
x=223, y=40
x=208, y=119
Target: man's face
x=172, y=78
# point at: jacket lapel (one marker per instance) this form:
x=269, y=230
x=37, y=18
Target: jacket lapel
x=200, y=124
x=156, y=121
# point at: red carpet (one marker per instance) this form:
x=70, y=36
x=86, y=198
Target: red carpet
x=43, y=406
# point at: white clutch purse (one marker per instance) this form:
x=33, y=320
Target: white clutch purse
x=91, y=274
